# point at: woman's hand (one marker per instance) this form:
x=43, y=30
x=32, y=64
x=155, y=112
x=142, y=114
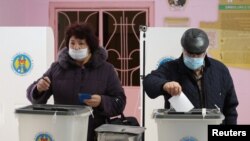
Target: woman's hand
x=95, y=100
x=43, y=84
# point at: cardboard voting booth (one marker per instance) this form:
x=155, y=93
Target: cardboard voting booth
x=188, y=126
x=157, y=45
x=112, y=132
x=25, y=54
x=53, y=123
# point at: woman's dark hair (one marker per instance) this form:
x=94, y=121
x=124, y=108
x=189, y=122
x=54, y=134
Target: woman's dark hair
x=82, y=31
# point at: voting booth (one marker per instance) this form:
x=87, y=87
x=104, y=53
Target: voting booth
x=185, y=126
x=25, y=54
x=53, y=122
x=157, y=45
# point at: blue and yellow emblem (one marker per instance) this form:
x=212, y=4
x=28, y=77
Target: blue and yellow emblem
x=21, y=64
x=43, y=137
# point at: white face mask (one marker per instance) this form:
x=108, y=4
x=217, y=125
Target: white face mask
x=79, y=54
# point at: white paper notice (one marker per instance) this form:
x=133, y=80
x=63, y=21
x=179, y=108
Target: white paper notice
x=181, y=103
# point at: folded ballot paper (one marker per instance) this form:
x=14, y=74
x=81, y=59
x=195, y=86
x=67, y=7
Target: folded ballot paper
x=181, y=103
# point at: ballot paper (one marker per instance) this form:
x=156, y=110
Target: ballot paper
x=181, y=103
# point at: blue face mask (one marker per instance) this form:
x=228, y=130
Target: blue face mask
x=193, y=63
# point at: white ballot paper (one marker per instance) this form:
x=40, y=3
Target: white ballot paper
x=181, y=103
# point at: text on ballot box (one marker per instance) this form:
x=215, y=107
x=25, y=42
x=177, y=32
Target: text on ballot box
x=53, y=122
x=185, y=126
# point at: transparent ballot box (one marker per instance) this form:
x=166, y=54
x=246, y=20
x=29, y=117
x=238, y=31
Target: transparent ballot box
x=182, y=126
x=112, y=132
x=53, y=122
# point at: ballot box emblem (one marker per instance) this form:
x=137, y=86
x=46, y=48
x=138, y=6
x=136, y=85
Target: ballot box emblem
x=43, y=137
x=21, y=64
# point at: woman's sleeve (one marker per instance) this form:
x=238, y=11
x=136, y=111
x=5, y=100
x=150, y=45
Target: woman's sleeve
x=32, y=93
x=114, y=102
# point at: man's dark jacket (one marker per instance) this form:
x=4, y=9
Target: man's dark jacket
x=96, y=77
x=217, y=85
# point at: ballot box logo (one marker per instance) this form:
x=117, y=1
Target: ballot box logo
x=21, y=64
x=164, y=60
x=44, y=137
x=188, y=138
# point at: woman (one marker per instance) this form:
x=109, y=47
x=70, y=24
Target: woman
x=81, y=68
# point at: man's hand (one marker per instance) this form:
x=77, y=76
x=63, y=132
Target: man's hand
x=173, y=88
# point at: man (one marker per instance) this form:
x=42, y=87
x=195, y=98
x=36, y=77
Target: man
x=205, y=81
